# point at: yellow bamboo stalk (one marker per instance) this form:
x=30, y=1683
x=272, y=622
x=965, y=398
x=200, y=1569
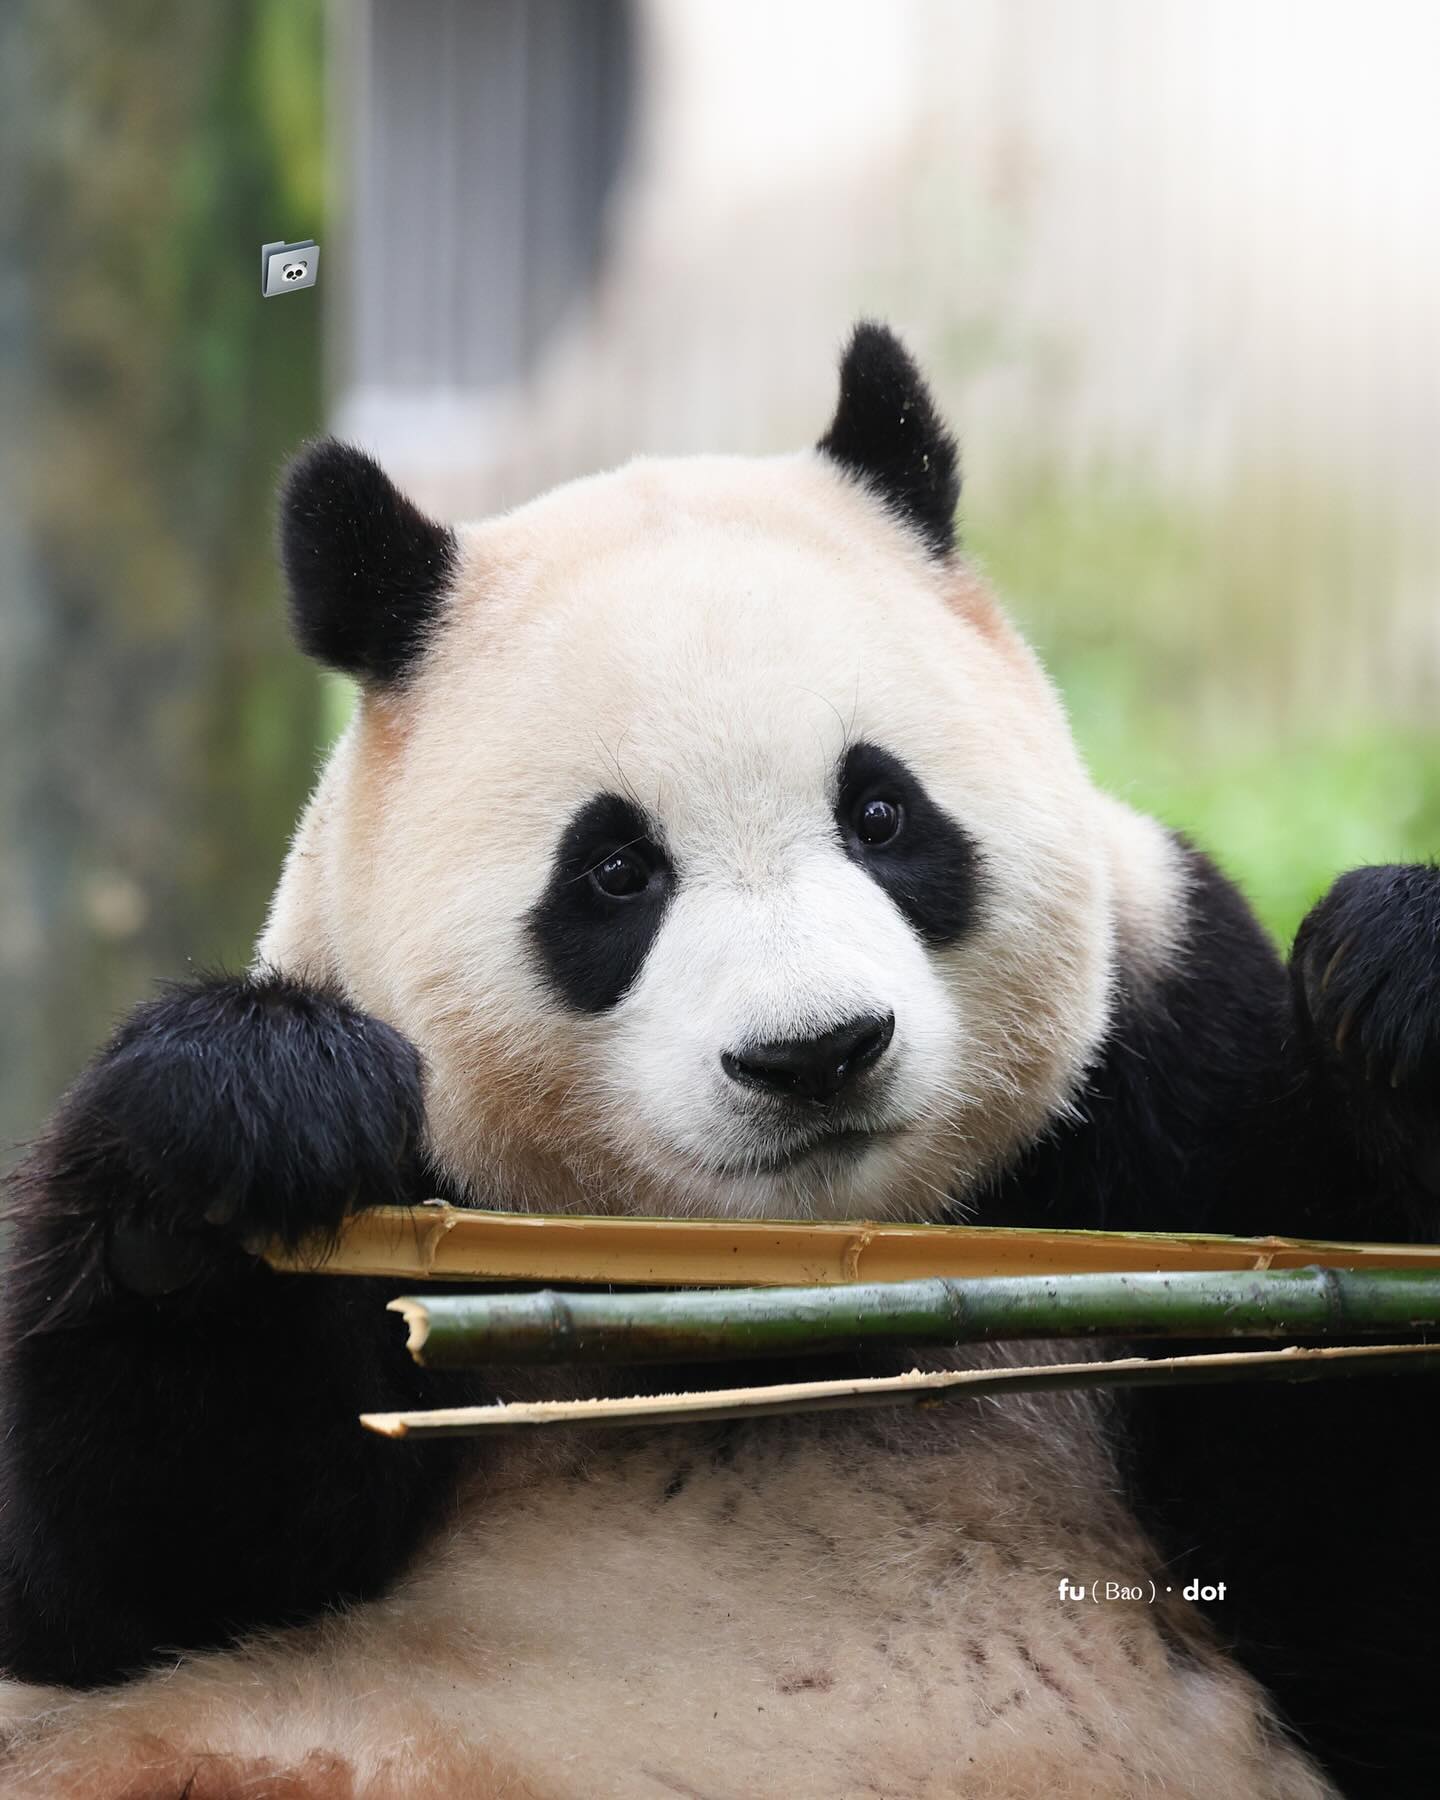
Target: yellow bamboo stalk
x=437, y=1242
x=918, y=1388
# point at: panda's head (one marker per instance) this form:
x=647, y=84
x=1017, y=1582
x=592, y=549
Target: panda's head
x=704, y=824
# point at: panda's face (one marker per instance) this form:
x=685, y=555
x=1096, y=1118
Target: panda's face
x=723, y=854
x=706, y=826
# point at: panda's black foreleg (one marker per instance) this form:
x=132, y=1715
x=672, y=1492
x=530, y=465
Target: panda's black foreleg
x=1365, y=975
x=181, y=1454
x=1308, y=1503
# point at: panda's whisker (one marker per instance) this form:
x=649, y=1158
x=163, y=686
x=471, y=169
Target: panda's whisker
x=629, y=844
x=612, y=756
x=844, y=729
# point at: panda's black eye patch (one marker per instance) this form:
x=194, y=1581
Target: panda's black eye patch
x=925, y=861
x=607, y=893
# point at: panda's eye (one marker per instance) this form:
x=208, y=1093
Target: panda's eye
x=621, y=875
x=879, y=821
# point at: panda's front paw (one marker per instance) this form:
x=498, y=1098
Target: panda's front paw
x=1366, y=970
x=233, y=1109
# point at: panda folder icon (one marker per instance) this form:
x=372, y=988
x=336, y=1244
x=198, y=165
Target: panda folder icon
x=285, y=266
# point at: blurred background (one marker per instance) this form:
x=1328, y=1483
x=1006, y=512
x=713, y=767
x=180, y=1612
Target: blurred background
x=1173, y=264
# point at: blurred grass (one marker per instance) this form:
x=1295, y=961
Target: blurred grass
x=1191, y=645
x=1284, y=820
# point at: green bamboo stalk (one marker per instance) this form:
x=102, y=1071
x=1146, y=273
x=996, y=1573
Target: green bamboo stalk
x=463, y=1330
x=914, y=1389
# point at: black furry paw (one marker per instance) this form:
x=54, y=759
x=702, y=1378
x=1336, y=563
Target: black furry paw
x=231, y=1110
x=1366, y=970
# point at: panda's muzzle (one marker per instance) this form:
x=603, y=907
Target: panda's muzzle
x=814, y=1071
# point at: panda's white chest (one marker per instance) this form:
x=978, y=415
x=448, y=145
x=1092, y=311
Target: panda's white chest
x=791, y=1610
x=819, y=1613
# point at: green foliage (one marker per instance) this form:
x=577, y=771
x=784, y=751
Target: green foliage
x=1182, y=639
x=1285, y=819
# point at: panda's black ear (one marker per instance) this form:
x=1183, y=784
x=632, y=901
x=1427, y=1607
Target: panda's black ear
x=369, y=574
x=887, y=433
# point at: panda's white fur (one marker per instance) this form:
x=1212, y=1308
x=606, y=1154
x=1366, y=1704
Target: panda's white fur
x=862, y=1607
x=708, y=634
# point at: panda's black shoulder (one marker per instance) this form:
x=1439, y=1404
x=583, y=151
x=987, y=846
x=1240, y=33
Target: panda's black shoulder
x=1208, y=1023
x=1169, y=1127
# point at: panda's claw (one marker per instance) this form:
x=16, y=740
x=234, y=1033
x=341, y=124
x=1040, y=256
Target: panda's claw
x=223, y=1210
x=1334, y=963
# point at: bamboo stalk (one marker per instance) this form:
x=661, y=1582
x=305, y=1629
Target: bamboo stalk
x=445, y=1243
x=914, y=1389
x=462, y=1330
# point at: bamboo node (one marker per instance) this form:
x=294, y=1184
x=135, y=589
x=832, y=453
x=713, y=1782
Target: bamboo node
x=854, y=1250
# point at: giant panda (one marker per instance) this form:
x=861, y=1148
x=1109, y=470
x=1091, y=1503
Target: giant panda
x=707, y=841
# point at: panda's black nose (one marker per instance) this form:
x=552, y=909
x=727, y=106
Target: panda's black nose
x=815, y=1068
